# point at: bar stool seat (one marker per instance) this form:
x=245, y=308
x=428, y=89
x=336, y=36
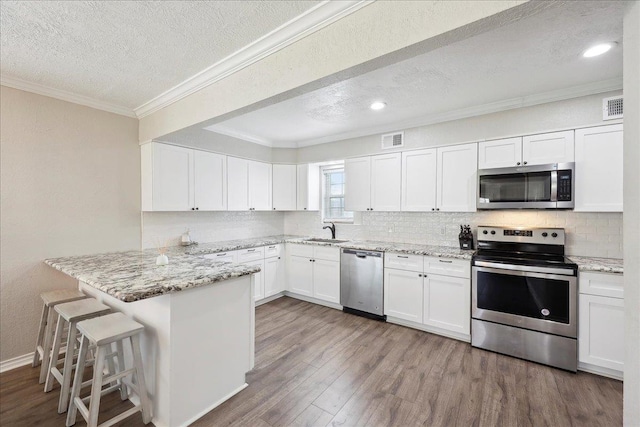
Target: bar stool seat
x=44, y=341
x=70, y=314
x=102, y=332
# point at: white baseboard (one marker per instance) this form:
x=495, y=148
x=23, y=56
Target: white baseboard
x=16, y=362
x=215, y=405
x=269, y=299
x=430, y=329
x=599, y=370
x=313, y=300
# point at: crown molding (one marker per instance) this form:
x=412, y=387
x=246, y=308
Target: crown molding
x=250, y=138
x=463, y=113
x=301, y=26
x=65, y=96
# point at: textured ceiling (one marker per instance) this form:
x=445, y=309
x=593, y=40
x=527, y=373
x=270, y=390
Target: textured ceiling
x=539, y=54
x=128, y=52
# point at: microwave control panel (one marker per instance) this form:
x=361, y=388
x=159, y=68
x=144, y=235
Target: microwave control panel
x=564, y=186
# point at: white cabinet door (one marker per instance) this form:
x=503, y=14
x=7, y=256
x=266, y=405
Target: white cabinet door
x=447, y=303
x=555, y=147
x=326, y=280
x=237, y=184
x=599, y=165
x=403, y=292
x=210, y=181
x=284, y=187
x=259, y=186
x=457, y=175
x=501, y=153
x=300, y=275
x=357, y=175
x=419, y=180
x=601, y=331
x=386, y=179
x=308, y=188
x=258, y=293
x=273, y=277
x=172, y=178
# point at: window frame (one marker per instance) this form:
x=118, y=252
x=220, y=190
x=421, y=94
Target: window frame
x=323, y=196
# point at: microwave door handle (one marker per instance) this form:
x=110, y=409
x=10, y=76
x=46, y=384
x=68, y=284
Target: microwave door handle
x=554, y=186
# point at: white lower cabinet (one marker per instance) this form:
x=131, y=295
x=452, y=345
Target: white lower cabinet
x=439, y=303
x=601, y=324
x=314, y=271
x=403, y=292
x=447, y=303
x=258, y=293
x=274, y=280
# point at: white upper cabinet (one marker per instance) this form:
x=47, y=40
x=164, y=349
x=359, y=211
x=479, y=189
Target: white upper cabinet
x=284, y=187
x=386, y=179
x=179, y=179
x=599, y=165
x=457, y=175
x=210, y=181
x=501, y=153
x=373, y=183
x=260, y=186
x=357, y=175
x=308, y=188
x=419, y=180
x=238, y=184
x=555, y=147
x=249, y=184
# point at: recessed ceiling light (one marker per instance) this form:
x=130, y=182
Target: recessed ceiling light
x=598, y=49
x=378, y=105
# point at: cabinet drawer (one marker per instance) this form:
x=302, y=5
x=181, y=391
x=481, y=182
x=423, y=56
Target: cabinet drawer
x=251, y=254
x=327, y=253
x=231, y=256
x=300, y=250
x=448, y=267
x=404, y=261
x=272, y=251
x=603, y=284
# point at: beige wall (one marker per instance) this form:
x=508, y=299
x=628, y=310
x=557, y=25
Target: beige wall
x=69, y=185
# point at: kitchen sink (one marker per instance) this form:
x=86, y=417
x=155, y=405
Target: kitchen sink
x=326, y=240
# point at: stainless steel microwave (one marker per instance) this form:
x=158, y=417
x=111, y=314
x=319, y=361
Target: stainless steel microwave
x=548, y=186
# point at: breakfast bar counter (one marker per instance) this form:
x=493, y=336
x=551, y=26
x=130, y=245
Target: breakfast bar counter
x=198, y=342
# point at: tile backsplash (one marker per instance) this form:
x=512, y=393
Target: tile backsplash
x=588, y=234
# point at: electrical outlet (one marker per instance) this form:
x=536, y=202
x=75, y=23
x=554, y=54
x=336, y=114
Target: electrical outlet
x=443, y=230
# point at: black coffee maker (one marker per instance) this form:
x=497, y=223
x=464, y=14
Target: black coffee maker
x=465, y=237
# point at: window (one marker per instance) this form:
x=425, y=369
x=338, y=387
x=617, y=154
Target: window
x=333, y=195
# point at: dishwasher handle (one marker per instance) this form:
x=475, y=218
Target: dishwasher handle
x=362, y=254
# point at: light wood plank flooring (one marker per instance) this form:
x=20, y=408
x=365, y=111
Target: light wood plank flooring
x=316, y=366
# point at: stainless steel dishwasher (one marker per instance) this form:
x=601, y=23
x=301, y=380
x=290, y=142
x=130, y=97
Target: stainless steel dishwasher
x=361, y=282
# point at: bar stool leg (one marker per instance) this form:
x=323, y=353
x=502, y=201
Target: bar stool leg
x=66, y=374
x=53, y=361
x=111, y=364
x=46, y=348
x=96, y=387
x=124, y=395
x=77, y=382
x=145, y=404
x=39, y=343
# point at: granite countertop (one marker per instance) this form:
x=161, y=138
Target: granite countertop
x=234, y=245
x=134, y=275
x=602, y=265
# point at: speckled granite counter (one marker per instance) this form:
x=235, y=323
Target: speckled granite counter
x=602, y=265
x=132, y=276
x=234, y=245
x=407, y=248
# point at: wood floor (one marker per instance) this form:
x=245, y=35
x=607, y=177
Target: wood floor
x=316, y=366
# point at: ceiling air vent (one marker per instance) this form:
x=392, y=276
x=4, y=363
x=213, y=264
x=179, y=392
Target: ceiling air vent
x=393, y=140
x=612, y=108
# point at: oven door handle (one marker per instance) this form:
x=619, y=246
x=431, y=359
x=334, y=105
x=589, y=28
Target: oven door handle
x=527, y=268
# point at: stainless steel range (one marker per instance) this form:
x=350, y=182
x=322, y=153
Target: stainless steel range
x=524, y=295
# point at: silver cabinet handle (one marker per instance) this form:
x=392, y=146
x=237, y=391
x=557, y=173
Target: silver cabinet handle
x=448, y=262
x=222, y=254
x=251, y=250
x=402, y=256
x=272, y=247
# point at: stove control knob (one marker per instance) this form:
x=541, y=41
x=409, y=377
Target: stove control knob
x=544, y=234
x=554, y=234
x=484, y=232
x=493, y=231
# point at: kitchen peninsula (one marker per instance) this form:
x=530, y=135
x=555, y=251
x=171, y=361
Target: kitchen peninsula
x=198, y=315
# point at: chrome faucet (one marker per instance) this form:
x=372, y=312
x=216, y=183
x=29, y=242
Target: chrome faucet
x=331, y=227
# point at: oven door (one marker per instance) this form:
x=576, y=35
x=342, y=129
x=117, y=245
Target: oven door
x=538, y=301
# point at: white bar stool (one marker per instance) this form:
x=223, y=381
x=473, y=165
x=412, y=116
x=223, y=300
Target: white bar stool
x=102, y=332
x=70, y=314
x=45, y=332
